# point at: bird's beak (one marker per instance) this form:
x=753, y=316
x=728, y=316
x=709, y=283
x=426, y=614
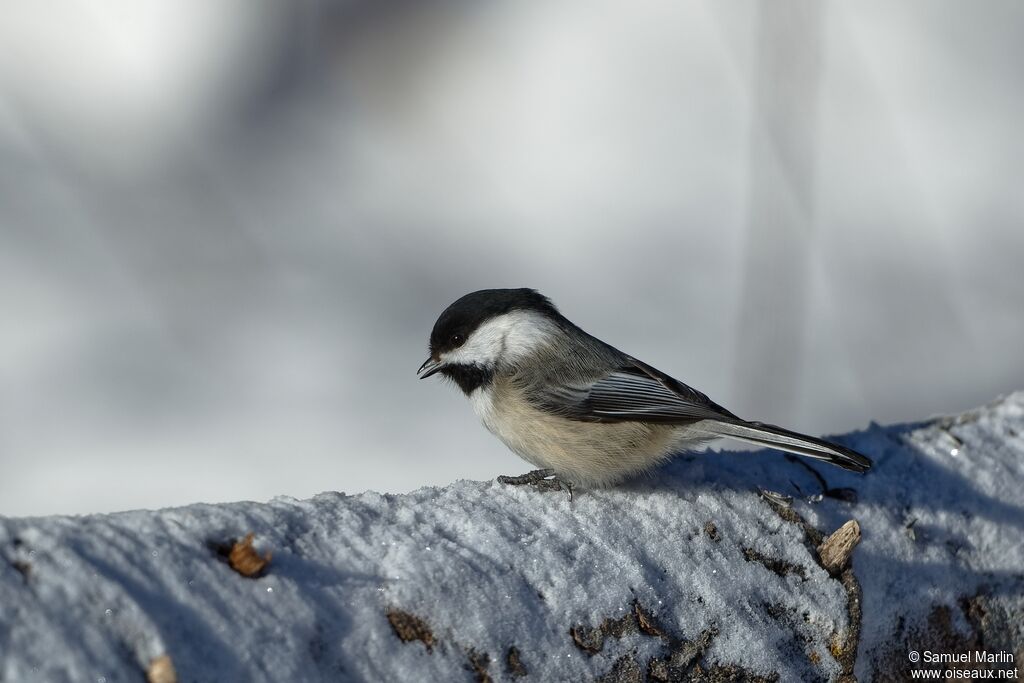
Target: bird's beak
x=429, y=367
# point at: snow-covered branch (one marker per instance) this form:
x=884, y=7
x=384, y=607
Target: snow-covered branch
x=713, y=568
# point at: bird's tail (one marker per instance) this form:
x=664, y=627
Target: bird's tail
x=761, y=434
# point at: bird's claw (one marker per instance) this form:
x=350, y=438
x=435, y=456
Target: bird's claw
x=542, y=480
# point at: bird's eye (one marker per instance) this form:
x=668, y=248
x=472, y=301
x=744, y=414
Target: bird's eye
x=458, y=340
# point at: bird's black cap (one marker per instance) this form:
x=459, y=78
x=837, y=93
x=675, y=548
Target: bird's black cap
x=460, y=319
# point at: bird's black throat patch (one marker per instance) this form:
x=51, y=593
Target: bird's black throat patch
x=468, y=377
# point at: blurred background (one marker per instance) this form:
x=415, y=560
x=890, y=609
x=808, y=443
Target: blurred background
x=227, y=227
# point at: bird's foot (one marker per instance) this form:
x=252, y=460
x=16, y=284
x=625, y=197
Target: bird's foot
x=528, y=478
x=542, y=480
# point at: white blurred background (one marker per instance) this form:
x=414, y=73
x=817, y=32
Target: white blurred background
x=227, y=227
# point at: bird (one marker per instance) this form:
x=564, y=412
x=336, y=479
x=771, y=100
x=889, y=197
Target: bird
x=583, y=413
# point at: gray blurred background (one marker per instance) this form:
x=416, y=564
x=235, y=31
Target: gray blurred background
x=227, y=227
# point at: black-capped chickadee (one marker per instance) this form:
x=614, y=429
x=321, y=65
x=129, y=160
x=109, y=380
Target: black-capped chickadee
x=582, y=411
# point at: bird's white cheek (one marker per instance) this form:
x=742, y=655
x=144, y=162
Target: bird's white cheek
x=483, y=348
x=506, y=338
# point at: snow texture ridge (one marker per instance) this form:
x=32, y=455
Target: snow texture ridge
x=694, y=573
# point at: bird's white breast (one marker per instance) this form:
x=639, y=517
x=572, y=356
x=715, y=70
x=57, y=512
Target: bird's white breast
x=482, y=400
x=585, y=453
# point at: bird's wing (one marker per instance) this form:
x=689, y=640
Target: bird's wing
x=632, y=392
x=636, y=392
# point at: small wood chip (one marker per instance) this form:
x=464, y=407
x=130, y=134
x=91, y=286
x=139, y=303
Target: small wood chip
x=409, y=627
x=835, y=550
x=514, y=663
x=23, y=568
x=161, y=670
x=647, y=623
x=244, y=559
x=478, y=664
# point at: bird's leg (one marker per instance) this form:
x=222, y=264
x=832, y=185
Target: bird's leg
x=542, y=480
x=528, y=478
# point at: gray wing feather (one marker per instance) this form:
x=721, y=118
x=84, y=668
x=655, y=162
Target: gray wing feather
x=636, y=392
x=633, y=392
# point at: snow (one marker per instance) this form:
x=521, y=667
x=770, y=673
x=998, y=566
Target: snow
x=487, y=567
